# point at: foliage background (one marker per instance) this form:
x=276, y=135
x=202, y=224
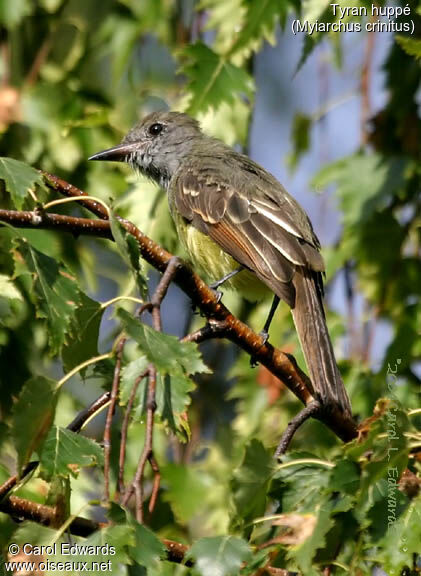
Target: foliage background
x=337, y=114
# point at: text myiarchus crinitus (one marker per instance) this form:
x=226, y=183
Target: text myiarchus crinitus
x=232, y=215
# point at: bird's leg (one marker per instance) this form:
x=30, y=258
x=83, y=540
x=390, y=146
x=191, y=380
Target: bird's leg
x=265, y=332
x=218, y=283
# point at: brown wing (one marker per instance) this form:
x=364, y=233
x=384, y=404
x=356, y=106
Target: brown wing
x=244, y=226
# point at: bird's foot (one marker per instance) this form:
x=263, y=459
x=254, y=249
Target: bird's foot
x=265, y=337
x=218, y=293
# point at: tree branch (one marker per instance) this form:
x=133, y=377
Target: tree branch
x=280, y=364
x=110, y=414
x=23, y=509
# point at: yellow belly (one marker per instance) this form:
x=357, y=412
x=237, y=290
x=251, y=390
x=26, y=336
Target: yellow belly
x=211, y=262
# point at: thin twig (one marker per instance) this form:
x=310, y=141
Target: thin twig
x=311, y=410
x=147, y=453
x=136, y=485
x=77, y=424
x=39, y=60
x=124, y=430
x=110, y=414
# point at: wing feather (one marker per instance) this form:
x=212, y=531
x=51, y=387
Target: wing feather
x=253, y=231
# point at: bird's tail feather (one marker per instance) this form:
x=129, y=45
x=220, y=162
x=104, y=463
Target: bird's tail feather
x=310, y=322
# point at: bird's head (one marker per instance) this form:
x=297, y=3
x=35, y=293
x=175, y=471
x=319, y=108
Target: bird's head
x=156, y=146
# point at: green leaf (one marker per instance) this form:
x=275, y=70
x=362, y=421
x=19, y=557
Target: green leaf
x=301, y=127
x=251, y=480
x=173, y=399
x=345, y=477
x=18, y=178
x=298, y=486
x=313, y=9
x=32, y=416
x=82, y=339
x=148, y=549
x=412, y=46
x=175, y=361
x=305, y=552
x=212, y=79
x=129, y=250
x=365, y=183
x=225, y=19
x=259, y=22
x=402, y=541
x=165, y=351
x=12, y=12
x=55, y=290
x=34, y=533
x=129, y=374
x=10, y=301
x=65, y=452
x=220, y=556
x=121, y=538
x=186, y=491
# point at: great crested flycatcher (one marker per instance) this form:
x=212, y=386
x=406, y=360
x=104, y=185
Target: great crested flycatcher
x=233, y=216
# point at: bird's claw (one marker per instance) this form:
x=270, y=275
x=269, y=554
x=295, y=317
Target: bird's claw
x=265, y=337
x=218, y=293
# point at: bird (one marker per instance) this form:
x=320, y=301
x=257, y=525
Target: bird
x=240, y=228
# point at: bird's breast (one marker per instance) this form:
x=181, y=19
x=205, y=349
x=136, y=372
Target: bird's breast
x=213, y=263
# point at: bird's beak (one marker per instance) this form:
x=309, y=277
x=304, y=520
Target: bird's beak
x=117, y=153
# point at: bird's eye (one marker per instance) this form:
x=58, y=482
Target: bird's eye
x=155, y=129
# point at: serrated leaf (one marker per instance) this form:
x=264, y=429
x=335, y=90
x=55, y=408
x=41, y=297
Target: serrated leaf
x=65, y=452
x=32, y=416
x=402, y=541
x=365, y=182
x=250, y=482
x=82, y=339
x=298, y=486
x=345, y=477
x=18, y=178
x=148, y=549
x=225, y=18
x=118, y=537
x=212, y=79
x=129, y=250
x=172, y=399
x=186, y=490
x=166, y=352
x=411, y=46
x=55, y=290
x=129, y=374
x=259, y=22
x=305, y=552
x=220, y=556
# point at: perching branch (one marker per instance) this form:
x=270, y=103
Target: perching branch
x=46, y=515
x=277, y=362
